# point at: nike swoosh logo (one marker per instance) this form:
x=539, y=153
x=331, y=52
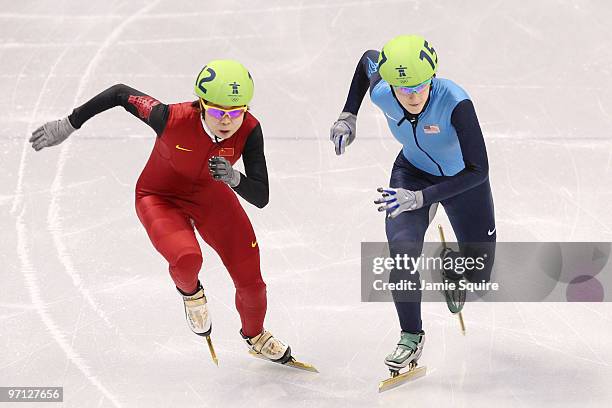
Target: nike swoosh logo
x=253, y=244
x=182, y=148
x=491, y=232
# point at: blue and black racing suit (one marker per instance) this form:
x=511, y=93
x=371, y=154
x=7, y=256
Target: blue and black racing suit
x=444, y=156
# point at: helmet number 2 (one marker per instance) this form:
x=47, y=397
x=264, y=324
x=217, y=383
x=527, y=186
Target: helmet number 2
x=425, y=56
x=209, y=78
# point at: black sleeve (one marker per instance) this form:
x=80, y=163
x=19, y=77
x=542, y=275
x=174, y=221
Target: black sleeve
x=148, y=109
x=365, y=76
x=474, y=153
x=254, y=186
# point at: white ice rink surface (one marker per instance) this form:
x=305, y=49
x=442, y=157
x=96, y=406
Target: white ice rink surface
x=86, y=303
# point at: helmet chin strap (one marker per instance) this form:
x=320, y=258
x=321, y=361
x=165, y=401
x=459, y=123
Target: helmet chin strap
x=209, y=132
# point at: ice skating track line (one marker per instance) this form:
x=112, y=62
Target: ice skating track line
x=54, y=220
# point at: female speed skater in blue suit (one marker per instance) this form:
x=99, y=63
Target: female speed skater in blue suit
x=443, y=160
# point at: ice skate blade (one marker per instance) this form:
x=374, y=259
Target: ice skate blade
x=400, y=379
x=461, y=323
x=211, y=349
x=291, y=363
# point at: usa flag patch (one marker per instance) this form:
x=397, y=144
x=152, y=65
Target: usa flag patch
x=431, y=129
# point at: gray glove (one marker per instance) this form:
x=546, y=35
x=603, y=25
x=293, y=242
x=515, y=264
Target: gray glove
x=51, y=133
x=398, y=200
x=343, y=131
x=222, y=170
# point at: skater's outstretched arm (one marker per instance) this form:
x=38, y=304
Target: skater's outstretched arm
x=343, y=131
x=474, y=152
x=144, y=107
x=148, y=109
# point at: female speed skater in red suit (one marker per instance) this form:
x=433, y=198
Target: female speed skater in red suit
x=189, y=183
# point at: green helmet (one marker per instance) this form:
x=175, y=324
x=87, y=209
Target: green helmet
x=225, y=82
x=407, y=60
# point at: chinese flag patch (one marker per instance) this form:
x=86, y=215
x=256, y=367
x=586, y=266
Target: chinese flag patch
x=226, y=151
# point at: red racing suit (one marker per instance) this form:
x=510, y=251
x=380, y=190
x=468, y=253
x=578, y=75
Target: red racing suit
x=175, y=193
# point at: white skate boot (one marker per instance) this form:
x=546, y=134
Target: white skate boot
x=268, y=346
x=196, y=313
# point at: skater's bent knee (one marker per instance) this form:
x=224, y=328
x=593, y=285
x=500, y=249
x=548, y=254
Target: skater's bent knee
x=187, y=265
x=185, y=271
x=189, y=261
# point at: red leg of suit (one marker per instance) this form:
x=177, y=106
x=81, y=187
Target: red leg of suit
x=171, y=233
x=225, y=226
x=227, y=229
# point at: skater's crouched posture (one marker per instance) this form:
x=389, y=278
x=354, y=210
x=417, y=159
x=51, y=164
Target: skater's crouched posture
x=443, y=160
x=189, y=182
